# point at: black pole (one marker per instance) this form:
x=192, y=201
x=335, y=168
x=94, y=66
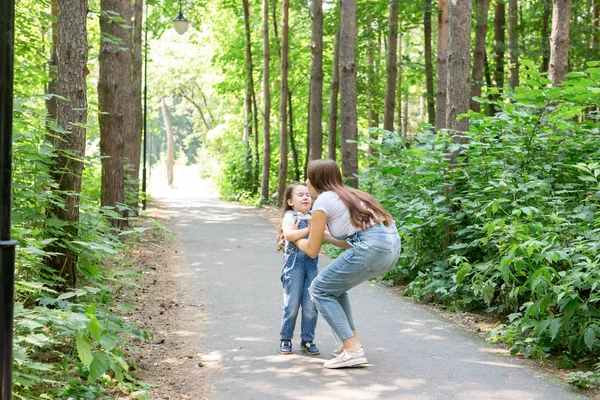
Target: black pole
x=7, y=246
x=145, y=108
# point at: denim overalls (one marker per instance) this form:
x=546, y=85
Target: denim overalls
x=297, y=274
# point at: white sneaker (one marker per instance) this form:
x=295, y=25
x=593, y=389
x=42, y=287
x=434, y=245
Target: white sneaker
x=346, y=359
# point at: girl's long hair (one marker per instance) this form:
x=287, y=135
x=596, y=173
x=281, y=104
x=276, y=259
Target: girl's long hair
x=285, y=207
x=324, y=175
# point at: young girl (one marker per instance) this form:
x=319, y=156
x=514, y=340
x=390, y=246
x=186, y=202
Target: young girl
x=298, y=270
x=375, y=248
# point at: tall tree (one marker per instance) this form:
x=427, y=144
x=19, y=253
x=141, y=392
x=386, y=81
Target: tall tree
x=316, y=82
x=333, y=100
x=51, y=88
x=295, y=158
x=442, y=65
x=459, y=61
x=428, y=62
x=348, y=111
x=266, y=166
x=596, y=25
x=372, y=79
x=170, y=141
x=251, y=131
x=115, y=100
x=391, y=67
x=546, y=35
x=513, y=43
x=499, y=45
x=559, y=41
x=71, y=117
x=283, y=145
x=479, y=52
x=132, y=146
x=399, y=92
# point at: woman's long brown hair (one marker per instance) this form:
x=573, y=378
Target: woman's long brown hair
x=285, y=207
x=325, y=175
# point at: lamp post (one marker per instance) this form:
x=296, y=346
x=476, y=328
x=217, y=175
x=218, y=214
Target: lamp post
x=7, y=246
x=181, y=26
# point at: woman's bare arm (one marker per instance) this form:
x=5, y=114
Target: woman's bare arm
x=328, y=237
x=312, y=245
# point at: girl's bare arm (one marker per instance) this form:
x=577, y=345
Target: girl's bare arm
x=291, y=233
x=312, y=245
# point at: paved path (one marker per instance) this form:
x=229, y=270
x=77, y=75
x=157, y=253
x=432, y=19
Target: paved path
x=232, y=277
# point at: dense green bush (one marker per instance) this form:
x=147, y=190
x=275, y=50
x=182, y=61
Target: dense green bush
x=515, y=227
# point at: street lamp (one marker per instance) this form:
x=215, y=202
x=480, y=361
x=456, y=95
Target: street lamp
x=7, y=246
x=181, y=26
x=180, y=23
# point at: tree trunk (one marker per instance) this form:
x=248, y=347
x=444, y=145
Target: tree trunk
x=71, y=117
x=405, y=106
x=51, y=89
x=132, y=146
x=428, y=63
x=283, y=146
x=596, y=25
x=348, y=112
x=115, y=101
x=458, y=70
x=442, y=65
x=499, y=44
x=513, y=43
x=293, y=139
x=266, y=166
x=399, y=91
x=479, y=52
x=333, y=100
x=251, y=117
x=546, y=36
x=372, y=89
x=559, y=41
x=391, y=67
x=316, y=82
x=170, y=141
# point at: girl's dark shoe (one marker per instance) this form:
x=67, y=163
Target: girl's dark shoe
x=310, y=348
x=285, y=347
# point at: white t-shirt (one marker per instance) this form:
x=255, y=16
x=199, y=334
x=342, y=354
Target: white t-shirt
x=338, y=217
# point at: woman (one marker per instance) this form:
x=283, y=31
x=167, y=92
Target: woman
x=373, y=248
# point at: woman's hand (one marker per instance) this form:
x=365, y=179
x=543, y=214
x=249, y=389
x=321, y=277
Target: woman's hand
x=317, y=225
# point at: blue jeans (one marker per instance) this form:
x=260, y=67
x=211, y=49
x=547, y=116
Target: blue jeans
x=374, y=251
x=297, y=273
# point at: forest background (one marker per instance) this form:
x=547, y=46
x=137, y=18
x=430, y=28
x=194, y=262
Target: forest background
x=474, y=123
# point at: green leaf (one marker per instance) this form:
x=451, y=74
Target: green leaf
x=589, y=337
x=84, y=349
x=94, y=327
x=107, y=342
x=98, y=366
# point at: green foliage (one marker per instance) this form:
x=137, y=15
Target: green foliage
x=514, y=228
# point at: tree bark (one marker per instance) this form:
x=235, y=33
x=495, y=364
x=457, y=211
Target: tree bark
x=391, y=67
x=479, y=52
x=333, y=100
x=546, y=36
x=459, y=62
x=251, y=117
x=170, y=141
x=442, y=65
x=132, y=146
x=399, y=91
x=513, y=43
x=428, y=63
x=559, y=41
x=316, y=82
x=266, y=165
x=596, y=25
x=295, y=157
x=51, y=89
x=283, y=146
x=371, y=81
x=115, y=101
x=348, y=112
x=499, y=44
x=71, y=116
